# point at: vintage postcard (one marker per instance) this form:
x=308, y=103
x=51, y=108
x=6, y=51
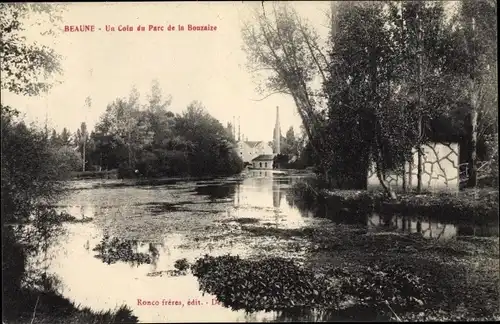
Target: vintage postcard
x=249, y=161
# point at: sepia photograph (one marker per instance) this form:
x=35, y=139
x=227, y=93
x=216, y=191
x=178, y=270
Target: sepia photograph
x=249, y=161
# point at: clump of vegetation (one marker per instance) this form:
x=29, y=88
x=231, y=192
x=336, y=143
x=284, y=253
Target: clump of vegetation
x=65, y=217
x=375, y=286
x=112, y=250
x=280, y=284
x=51, y=308
x=270, y=284
x=181, y=264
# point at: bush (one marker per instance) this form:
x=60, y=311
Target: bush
x=126, y=172
x=67, y=159
x=31, y=180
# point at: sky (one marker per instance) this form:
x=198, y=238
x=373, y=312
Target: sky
x=209, y=67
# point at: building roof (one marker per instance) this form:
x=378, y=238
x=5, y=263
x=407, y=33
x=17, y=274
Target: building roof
x=252, y=143
x=264, y=157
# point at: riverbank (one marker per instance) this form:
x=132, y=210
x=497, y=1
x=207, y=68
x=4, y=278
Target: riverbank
x=472, y=205
x=50, y=308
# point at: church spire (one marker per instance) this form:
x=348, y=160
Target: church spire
x=277, y=132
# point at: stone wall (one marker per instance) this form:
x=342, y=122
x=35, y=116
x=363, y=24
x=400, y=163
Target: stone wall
x=440, y=171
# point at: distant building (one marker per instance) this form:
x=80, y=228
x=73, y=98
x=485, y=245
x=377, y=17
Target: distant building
x=263, y=161
x=248, y=150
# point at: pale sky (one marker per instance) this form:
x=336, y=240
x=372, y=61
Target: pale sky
x=204, y=66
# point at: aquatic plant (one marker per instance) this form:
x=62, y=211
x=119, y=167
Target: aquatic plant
x=181, y=264
x=280, y=284
x=112, y=250
x=269, y=284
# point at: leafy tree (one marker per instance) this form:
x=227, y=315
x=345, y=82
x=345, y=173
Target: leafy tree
x=24, y=65
x=81, y=141
x=65, y=137
x=284, y=46
x=157, y=143
x=475, y=65
x=30, y=174
x=385, y=83
x=291, y=146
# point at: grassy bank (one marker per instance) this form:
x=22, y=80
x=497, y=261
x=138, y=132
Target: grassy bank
x=472, y=206
x=50, y=308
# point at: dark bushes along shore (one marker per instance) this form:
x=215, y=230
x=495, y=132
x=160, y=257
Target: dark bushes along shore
x=472, y=206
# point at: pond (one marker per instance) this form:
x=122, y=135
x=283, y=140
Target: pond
x=126, y=253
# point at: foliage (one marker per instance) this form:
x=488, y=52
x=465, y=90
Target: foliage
x=30, y=170
x=157, y=143
x=285, y=52
x=111, y=250
x=374, y=286
x=24, y=64
x=384, y=76
x=67, y=159
x=181, y=264
x=54, y=309
x=270, y=284
x=31, y=179
x=280, y=284
x=34, y=168
x=397, y=74
x=470, y=206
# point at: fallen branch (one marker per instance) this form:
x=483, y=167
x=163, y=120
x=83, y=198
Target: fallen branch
x=392, y=311
x=34, y=310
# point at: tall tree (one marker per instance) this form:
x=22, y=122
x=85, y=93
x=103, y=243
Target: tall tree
x=476, y=32
x=65, y=137
x=81, y=138
x=280, y=43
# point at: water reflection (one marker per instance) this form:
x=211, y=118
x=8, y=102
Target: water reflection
x=128, y=252
x=399, y=223
x=217, y=191
x=428, y=227
x=163, y=224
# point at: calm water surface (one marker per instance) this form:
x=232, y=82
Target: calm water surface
x=187, y=220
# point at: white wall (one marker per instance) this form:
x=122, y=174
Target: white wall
x=243, y=151
x=265, y=164
x=439, y=165
x=248, y=153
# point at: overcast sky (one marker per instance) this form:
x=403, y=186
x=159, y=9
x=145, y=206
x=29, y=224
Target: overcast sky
x=204, y=66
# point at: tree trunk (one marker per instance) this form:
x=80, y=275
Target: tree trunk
x=472, y=131
x=419, y=108
x=404, y=178
x=419, y=158
x=383, y=182
x=472, y=149
x=83, y=153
